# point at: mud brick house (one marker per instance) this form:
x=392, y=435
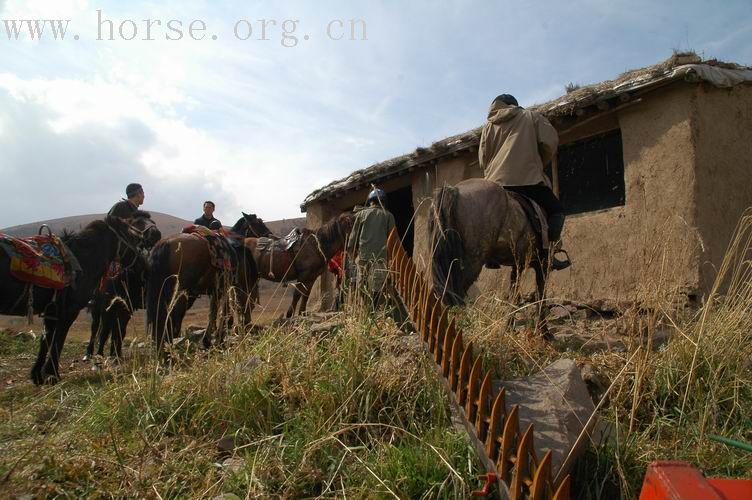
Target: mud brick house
x=654, y=168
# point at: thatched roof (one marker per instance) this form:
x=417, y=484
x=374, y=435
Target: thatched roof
x=577, y=104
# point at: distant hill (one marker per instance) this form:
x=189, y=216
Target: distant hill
x=167, y=224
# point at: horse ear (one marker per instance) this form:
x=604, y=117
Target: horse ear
x=244, y=214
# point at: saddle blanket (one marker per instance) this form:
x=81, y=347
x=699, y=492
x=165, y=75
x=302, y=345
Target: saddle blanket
x=220, y=249
x=535, y=215
x=41, y=260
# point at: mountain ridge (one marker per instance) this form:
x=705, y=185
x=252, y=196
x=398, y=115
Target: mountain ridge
x=167, y=224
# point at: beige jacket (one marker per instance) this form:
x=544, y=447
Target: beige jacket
x=515, y=145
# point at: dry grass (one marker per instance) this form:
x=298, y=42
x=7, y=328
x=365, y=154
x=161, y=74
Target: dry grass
x=354, y=409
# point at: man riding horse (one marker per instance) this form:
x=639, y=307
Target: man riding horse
x=125, y=208
x=514, y=146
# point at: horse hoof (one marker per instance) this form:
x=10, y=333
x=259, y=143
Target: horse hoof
x=45, y=380
x=36, y=377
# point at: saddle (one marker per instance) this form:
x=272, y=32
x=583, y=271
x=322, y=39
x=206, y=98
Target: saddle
x=222, y=256
x=285, y=244
x=41, y=260
x=535, y=215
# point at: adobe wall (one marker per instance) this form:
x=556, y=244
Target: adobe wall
x=723, y=141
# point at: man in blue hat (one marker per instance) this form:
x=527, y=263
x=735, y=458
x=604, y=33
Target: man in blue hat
x=367, y=244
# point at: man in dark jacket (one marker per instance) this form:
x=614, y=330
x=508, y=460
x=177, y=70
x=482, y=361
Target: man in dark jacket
x=515, y=145
x=128, y=206
x=207, y=218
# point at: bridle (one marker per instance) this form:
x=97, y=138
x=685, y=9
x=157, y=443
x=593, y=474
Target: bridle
x=122, y=242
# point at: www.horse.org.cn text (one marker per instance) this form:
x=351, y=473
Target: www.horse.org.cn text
x=288, y=33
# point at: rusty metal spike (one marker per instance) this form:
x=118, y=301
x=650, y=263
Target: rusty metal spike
x=401, y=277
x=464, y=374
x=413, y=291
x=391, y=244
x=405, y=281
x=439, y=334
x=542, y=478
x=496, y=424
x=446, y=363
x=473, y=388
x=426, y=317
x=454, y=368
x=483, y=405
x=508, y=440
x=563, y=491
x=416, y=297
x=521, y=474
x=429, y=321
x=423, y=325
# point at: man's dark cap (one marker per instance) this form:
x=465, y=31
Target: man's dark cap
x=507, y=99
x=133, y=189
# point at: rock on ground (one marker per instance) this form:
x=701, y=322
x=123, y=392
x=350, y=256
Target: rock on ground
x=557, y=402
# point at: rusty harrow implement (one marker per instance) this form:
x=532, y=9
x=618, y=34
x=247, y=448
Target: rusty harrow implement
x=507, y=454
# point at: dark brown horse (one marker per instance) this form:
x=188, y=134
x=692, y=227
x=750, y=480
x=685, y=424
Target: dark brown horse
x=181, y=269
x=249, y=225
x=98, y=244
x=116, y=300
x=305, y=261
x=477, y=223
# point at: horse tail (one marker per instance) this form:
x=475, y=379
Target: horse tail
x=446, y=244
x=159, y=289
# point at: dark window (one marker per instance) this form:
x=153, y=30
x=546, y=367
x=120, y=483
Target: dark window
x=591, y=173
x=400, y=203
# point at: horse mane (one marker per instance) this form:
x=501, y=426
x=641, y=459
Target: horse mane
x=141, y=214
x=87, y=233
x=333, y=231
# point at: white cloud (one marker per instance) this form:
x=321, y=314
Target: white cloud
x=255, y=126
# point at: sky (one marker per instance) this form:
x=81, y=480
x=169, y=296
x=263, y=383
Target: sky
x=254, y=116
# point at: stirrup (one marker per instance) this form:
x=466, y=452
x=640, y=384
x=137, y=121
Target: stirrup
x=557, y=264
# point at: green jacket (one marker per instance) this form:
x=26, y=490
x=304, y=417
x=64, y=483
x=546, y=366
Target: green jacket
x=370, y=231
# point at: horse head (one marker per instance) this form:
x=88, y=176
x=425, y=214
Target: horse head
x=127, y=233
x=250, y=225
x=150, y=233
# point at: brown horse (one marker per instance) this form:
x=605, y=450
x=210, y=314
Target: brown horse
x=181, y=269
x=477, y=223
x=98, y=244
x=305, y=261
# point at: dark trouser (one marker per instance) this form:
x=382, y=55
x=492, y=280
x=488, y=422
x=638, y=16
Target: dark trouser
x=545, y=197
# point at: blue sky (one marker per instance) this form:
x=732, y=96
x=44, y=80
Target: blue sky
x=256, y=126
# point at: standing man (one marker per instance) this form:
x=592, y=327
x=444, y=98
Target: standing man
x=367, y=243
x=126, y=207
x=514, y=146
x=207, y=218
